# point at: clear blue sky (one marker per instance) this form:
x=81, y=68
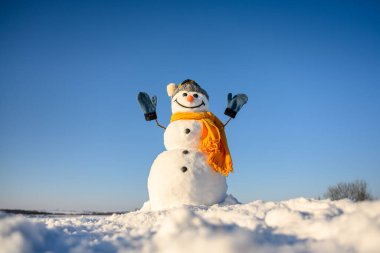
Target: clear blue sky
x=72, y=136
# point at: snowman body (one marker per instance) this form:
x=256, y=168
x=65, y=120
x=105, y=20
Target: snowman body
x=181, y=175
x=183, y=134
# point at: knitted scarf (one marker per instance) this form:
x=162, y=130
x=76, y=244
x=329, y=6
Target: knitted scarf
x=213, y=140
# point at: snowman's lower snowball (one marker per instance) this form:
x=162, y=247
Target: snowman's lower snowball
x=180, y=178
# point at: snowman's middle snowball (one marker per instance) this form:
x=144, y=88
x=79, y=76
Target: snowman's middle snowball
x=169, y=185
x=183, y=134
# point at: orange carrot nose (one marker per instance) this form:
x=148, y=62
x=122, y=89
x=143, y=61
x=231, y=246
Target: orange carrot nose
x=190, y=98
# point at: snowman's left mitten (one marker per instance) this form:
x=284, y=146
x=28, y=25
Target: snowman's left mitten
x=148, y=106
x=234, y=104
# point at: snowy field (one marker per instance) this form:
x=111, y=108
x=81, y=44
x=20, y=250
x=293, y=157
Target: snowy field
x=297, y=225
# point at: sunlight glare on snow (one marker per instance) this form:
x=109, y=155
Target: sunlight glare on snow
x=296, y=225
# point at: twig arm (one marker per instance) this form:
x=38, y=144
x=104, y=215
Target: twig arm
x=225, y=124
x=159, y=125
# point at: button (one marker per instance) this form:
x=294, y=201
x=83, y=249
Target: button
x=187, y=130
x=184, y=169
x=185, y=152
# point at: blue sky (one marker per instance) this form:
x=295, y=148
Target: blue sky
x=72, y=136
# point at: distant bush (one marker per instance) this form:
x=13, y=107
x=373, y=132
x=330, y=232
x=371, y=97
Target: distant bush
x=355, y=191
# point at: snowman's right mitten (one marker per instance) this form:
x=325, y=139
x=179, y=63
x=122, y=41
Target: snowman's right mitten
x=234, y=104
x=148, y=106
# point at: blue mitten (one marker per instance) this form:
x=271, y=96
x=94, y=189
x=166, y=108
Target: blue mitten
x=234, y=104
x=147, y=105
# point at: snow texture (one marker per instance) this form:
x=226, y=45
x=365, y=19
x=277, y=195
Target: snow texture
x=177, y=137
x=179, y=177
x=297, y=225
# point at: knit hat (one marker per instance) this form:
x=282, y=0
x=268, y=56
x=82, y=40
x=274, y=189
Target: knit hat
x=187, y=85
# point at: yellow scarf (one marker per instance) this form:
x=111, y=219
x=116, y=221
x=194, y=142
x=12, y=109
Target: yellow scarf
x=213, y=140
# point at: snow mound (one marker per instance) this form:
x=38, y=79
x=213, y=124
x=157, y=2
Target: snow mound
x=296, y=225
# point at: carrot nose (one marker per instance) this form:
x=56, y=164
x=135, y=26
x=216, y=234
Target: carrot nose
x=190, y=98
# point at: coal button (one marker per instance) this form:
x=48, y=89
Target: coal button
x=187, y=130
x=185, y=152
x=184, y=169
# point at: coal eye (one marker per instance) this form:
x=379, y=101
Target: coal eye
x=184, y=94
x=195, y=95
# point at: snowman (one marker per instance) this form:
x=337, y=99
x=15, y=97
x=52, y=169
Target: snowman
x=194, y=167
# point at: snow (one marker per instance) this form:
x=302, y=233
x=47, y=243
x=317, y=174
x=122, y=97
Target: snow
x=177, y=137
x=296, y=225
x=180, y=177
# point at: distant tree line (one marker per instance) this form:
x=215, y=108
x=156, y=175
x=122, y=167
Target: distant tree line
x=355, y=191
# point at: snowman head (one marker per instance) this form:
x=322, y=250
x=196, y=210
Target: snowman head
x=188, y=97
